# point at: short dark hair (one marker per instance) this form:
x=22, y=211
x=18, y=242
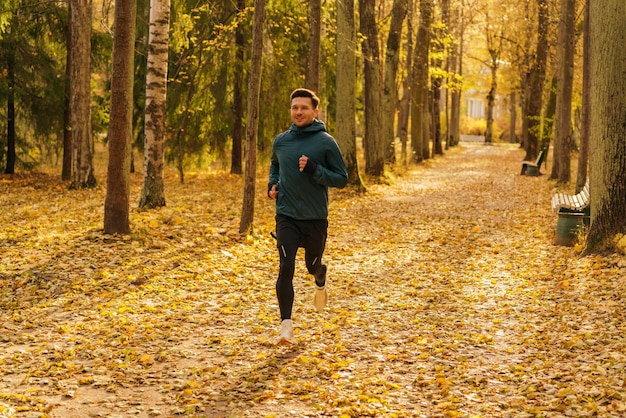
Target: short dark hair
x=302, y=92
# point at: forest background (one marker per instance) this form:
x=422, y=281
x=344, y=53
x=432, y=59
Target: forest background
x=401, y=76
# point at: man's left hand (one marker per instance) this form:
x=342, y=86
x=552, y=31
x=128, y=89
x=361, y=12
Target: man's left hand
x=303, y=160
x=307, y=165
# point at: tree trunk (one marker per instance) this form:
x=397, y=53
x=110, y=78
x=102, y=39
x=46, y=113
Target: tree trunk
x=236, y=165
x=583, y=155
x=456, y=66
x=608, y=113
x=548, y=123
x=436, y=114
x=447, y=24
x=494, y=46
x=219, y=87
x=222, y=111
x=405, y=101
x=66, y=170
x=491, y=100
x=252, y=123
x=390, y=90
x=80, y=101
x=153, y=190
x=312, y=80
x=374, y=144
x=11, y=156
x=512, y=117
x=182, y=128
x=435, y=88
x=563, y=118
x=536, y=79
x=345, y=83
x=420, y=122
x=525, y=94
x=525, y=75
x=116, y=205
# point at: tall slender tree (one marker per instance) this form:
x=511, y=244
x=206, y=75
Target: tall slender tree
x=405, y=101
x=494, y=37
x=82, y=173
x=420, y=121
x=535, y=81
x=373, y=141
x=390, y=87
x=116, y=204
x=436, y=82
x=236, y=163
x=583, y=154
x=312, y=79
x=11, y=134
x=153, y=189
x=563, y=142
x=252, y=123
x=345, y=83
x=66, y=169
x=455, y=72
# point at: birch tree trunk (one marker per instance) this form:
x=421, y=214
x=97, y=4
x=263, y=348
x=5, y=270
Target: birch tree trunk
x=116, y=204
x=153, y=190
x=608, y=113
x=82, y=173
x=252, y=123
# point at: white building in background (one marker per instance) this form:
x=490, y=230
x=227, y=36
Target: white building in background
x=476, y=108
x=476, y=103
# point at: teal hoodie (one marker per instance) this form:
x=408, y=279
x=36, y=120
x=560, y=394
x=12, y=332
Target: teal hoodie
x=305, y=195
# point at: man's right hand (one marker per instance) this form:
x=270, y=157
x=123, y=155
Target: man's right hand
x=273, y=192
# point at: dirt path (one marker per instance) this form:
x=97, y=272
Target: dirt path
x=448, y=299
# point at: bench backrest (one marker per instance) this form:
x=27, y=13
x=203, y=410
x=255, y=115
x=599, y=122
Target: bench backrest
x=541, y=157
x=584, y=193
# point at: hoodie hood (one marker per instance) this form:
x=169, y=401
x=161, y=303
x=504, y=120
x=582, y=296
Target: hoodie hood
x=316, y=126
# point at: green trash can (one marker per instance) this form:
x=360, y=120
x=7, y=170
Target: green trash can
x=532, y=170
x=568, y=226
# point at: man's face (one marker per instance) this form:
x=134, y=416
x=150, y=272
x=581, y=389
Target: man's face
x=302, y=112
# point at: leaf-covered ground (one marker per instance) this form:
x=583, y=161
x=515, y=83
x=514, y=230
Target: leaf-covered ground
x=448, y=298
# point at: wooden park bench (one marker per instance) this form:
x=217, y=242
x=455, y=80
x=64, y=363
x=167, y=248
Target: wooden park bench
x=531, y=168
x=573, y=212
x=572, y=203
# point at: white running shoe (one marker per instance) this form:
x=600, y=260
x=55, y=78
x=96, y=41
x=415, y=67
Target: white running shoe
x=286, y=332
x=320, y=299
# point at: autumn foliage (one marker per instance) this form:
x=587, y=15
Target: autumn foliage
x=448, y=298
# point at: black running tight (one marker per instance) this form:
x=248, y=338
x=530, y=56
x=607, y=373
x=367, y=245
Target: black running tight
x=292, y=234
